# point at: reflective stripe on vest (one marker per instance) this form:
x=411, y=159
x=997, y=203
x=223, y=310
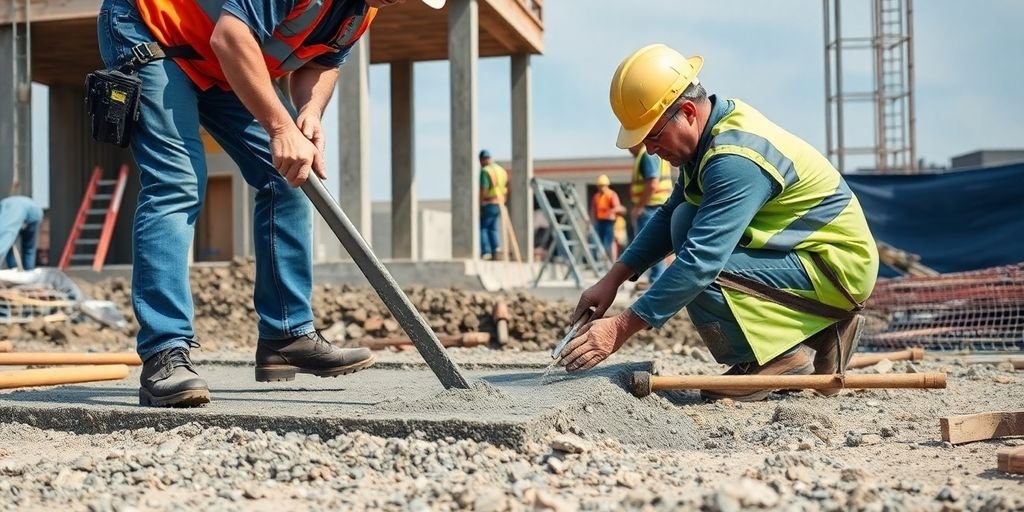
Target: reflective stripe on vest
x=664, y=188
x=499, y=181
x=814, y=212
x=176, y=23
x=604, y=205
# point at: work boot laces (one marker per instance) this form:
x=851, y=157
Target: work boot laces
x=179, y=357
x=320, y=344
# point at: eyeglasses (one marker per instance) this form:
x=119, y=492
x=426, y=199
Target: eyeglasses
x=654, y=136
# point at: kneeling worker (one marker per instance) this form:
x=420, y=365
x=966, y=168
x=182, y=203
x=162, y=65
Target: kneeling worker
x=773, y=253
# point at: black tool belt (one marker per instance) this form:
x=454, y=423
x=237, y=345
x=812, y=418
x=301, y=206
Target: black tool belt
x=112, y=96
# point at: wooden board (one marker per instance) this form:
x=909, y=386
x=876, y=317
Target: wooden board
x=978, y=427
x=1010, y=460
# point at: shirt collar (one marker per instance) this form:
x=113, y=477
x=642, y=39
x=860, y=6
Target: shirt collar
x=718, y=110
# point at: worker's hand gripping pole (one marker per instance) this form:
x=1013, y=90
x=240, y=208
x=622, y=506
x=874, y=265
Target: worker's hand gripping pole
x=385, y=286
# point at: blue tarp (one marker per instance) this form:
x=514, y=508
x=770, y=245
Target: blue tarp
x=956, y=221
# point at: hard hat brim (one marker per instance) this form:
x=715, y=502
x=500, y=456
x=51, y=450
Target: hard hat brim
x=629, y=138
x=436, y=4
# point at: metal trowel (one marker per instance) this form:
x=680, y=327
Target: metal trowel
x=574, y=329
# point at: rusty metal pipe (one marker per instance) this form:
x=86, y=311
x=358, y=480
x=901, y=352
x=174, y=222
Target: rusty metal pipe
x=58, y=358
x=865, y=360
x=68, y=375
x=469, y=339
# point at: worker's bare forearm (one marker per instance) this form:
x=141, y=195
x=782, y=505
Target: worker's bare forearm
x=312, y=86
x=649, y=187
x=242, y=61
x=618, y=274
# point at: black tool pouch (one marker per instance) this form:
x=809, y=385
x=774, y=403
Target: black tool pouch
x=112, y=101
x=112, y=96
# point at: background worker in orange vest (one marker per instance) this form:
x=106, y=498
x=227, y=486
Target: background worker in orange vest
x=605, y=207
x=651, y=188
x=493, y=193
x=224, y=57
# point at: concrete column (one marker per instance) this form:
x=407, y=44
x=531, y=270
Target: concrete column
x=521, y=198
x=463, y=51
x=404, y=240
x=354, y=137
x=15, y=104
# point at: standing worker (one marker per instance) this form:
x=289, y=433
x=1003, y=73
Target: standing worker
x=493, y=193
x=605, y=207
x=773, y=253
x=226, y=56
x=20, y=217
x=651, y=188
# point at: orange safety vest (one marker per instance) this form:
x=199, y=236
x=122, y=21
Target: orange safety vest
x=181, y=23
x=661, y=192
x=605, y=204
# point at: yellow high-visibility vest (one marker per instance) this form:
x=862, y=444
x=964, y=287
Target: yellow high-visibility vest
x=498, y=178
x=815, y=212
x=664, y=189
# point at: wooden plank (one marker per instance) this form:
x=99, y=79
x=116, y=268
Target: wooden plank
x=1010, y=460
x=979, y=427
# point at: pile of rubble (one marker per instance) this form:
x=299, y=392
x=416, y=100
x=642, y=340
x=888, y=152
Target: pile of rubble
x=225, y=318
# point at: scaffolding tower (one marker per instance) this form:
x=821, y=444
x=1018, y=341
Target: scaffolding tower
x=890, y=45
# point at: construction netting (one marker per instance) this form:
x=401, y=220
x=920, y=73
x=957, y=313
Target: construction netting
x=980, y=310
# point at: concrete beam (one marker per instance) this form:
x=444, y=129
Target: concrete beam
x=463, y=53
x=521, y=198
x=15, y=113
x=354, y=137
x=404, y=239
x=51, y=10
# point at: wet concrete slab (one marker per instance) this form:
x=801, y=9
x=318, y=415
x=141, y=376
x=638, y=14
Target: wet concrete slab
x=507, y=404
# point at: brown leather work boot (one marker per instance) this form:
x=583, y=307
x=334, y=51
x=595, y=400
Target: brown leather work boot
x=797, y=361
x=169, y=379
x=833, y=348
x=280, y=360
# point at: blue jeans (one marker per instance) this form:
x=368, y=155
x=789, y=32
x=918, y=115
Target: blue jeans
x=490, y=236
x=709, y=311
x=172, y=170
x=605, y=230
x=658, y=268
x=20, y=220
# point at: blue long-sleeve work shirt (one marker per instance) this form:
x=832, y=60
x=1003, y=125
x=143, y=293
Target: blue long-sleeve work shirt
x=734, y=189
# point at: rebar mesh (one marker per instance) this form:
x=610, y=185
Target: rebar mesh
x=980, y=310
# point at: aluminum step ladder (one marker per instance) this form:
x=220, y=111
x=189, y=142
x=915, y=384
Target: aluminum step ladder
x=90, y=235
x=573, y=239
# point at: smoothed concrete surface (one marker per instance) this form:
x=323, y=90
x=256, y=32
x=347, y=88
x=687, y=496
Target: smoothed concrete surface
x=508, y=405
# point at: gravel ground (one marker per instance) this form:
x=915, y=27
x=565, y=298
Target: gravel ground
x=871, y=450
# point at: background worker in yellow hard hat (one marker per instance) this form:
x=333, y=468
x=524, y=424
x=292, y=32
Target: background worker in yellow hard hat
x=493, y=193
x=605, y=207
x=757, y=217
x=650, y=188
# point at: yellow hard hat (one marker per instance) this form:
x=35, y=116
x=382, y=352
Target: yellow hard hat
x=603, y=181
x=644, y=86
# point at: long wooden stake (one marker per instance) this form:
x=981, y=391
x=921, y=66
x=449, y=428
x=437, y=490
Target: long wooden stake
x=869, y=359
x=645, y=383
x=58, y=358
x=54, y=376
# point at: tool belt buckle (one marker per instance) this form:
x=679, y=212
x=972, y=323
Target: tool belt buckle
x=143, y=53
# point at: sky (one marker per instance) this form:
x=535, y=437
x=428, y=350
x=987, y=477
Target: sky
x=768, y=53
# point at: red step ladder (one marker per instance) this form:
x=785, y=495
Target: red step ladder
x=96, y=220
